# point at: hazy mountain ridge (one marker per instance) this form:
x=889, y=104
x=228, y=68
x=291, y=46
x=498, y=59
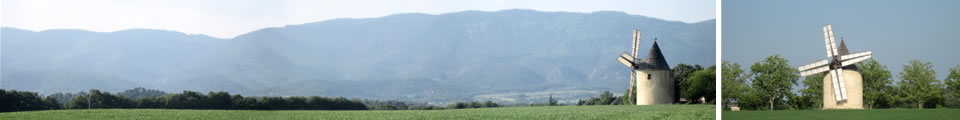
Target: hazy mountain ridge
x=445, y=57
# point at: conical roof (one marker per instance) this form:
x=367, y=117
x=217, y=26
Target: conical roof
x=842, y=50
x=654, y=60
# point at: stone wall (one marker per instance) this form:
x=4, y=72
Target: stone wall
x=854, y=85
x=657, y=89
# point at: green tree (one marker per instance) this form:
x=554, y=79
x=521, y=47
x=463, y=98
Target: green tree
x=187, y=100
x=810, y=102
x=773, y=79
x=149, y=102
x=605, y=98
x=701, y=83
x=140, y=92
x=251, y=103
x=51, y=102
x=918, y=83
x=628, y=97
x=222, y=100
x=490, y=104
x=800, y=102
x=457, y=105
x=814, y=90
x=13, y=100
x=876, y=82
x=277, y=103
x=97, y=99
x=733, y=83
x=680, y=74
x=952, y=97
x=475, y=104
x=294, y=103
x=64, y=98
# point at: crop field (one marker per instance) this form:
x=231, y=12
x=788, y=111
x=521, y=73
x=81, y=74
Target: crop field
x=875, y=114
x=679, y=112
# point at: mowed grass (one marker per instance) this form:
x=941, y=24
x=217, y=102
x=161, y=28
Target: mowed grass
x=875, y=114
x=678, y=112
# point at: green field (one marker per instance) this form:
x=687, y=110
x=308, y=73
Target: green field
x=877, y=114
x=679, y=112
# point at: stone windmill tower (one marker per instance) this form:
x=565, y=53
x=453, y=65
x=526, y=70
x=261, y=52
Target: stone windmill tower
x=843, y=84
x=651, y=77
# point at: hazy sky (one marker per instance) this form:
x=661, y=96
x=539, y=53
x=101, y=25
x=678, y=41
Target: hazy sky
x=229, y=18
x=896, y=31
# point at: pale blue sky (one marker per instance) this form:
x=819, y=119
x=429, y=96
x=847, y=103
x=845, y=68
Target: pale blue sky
x=229, y=18
x=896, y=31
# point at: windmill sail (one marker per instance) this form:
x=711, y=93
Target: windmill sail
x=828, y=39
x=636, y=42
x=843, y=88
x=855, y=60
x=627, y=57
x=823, y=62
x=814, y=68
x=625, y=62
x=631, y=60
x=855, y=55
x=836, y=85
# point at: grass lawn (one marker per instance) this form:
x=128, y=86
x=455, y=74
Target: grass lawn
x=679, y=112
x=876, y=114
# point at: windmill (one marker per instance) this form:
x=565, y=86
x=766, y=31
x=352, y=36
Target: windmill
x=650, y=77
x=839, y=60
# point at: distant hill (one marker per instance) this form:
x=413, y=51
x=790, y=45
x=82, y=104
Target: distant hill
x=509, y=56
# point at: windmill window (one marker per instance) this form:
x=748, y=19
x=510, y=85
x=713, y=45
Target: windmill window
x=649, y=76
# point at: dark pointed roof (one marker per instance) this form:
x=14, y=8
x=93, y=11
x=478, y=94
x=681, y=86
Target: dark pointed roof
x=654, y=60
x=842, y=50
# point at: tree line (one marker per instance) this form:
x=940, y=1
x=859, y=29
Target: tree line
x=472, y=104
x=13, y=100
x=768, y=85
x=605, y=98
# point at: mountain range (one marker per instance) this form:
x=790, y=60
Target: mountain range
x=508, y=56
